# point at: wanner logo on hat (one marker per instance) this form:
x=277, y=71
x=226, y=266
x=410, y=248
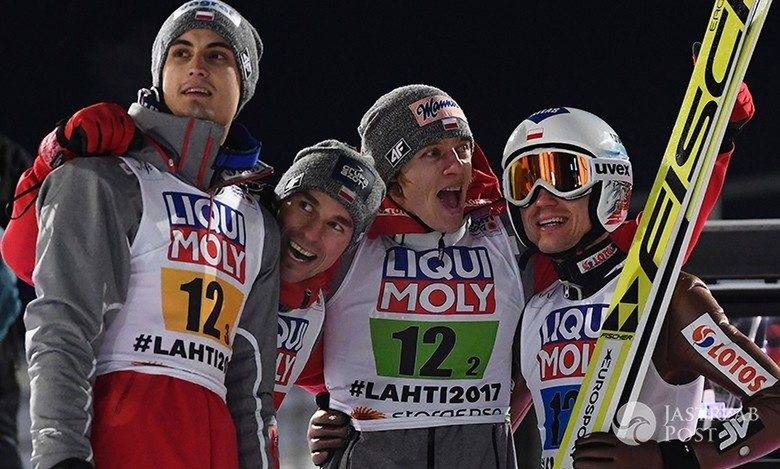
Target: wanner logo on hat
x=396, y=154
x=435, y=108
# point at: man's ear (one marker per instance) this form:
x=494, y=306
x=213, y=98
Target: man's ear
x=395, y=191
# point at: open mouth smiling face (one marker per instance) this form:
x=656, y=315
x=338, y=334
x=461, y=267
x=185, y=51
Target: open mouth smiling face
x=316, y=230
x=434, y=183
x=555, y=224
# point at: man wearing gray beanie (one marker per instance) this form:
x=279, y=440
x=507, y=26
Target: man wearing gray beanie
x=157, y=269
x=231, y=32
x=329, y=197
x=419, y=332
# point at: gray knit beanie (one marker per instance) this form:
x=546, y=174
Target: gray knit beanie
x=340, y=171
x=404, y=121
x=223, y=20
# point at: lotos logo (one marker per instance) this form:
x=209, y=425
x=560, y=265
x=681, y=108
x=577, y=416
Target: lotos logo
x=703, y=336
x=726, y=356
x=206, y=232
x=289, y=340
x=568, y=339
x=435, y=108
x=598, y=258
x=456, y=280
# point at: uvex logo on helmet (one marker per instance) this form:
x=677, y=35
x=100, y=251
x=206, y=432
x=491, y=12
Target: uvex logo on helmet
x=613, y=168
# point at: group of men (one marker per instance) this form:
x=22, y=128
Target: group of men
x=174, y=317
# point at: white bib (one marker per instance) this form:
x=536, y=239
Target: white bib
x=558, y=339
x=415, y=337
x=298, y=331
x=193, y=263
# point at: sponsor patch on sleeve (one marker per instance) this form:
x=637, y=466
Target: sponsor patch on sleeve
x=729, y=358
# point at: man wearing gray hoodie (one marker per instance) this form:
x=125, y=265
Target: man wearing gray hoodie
x=152, y=341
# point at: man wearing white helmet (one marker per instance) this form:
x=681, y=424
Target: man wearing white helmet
x=567, y=180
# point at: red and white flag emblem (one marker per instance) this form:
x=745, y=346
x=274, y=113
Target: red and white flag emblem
x=346, y=194
x=534, y=133
x=450, y=123
x=204, y=15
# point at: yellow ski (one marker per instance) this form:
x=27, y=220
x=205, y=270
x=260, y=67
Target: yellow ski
x=624, y=349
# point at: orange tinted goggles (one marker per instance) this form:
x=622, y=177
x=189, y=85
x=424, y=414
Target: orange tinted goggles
x=564, y=174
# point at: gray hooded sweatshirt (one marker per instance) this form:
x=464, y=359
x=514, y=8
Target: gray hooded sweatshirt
x=89, y=211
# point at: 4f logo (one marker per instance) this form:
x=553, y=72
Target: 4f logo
x=246, y=63
x=738, y=429
x=398, y=151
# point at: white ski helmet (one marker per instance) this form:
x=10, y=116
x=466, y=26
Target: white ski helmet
x=570, y=153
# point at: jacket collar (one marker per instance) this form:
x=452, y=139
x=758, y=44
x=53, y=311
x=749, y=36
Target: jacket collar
x=432, y=239
x=587, y=272
x=185, y=146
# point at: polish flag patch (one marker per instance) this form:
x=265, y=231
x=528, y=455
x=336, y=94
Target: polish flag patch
x=347, y=194
x=535, y=133
x=204, y=15
x=450, y=123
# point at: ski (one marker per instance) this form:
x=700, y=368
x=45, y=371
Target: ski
x=638, y=307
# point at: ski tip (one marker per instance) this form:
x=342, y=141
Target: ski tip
x=695, y=49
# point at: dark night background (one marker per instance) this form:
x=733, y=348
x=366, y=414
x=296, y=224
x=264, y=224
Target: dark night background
x=326, y=62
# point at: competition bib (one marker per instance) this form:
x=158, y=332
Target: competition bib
x=297, y=332
x=426, y=339
x=558, y=337
x=193, y=263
